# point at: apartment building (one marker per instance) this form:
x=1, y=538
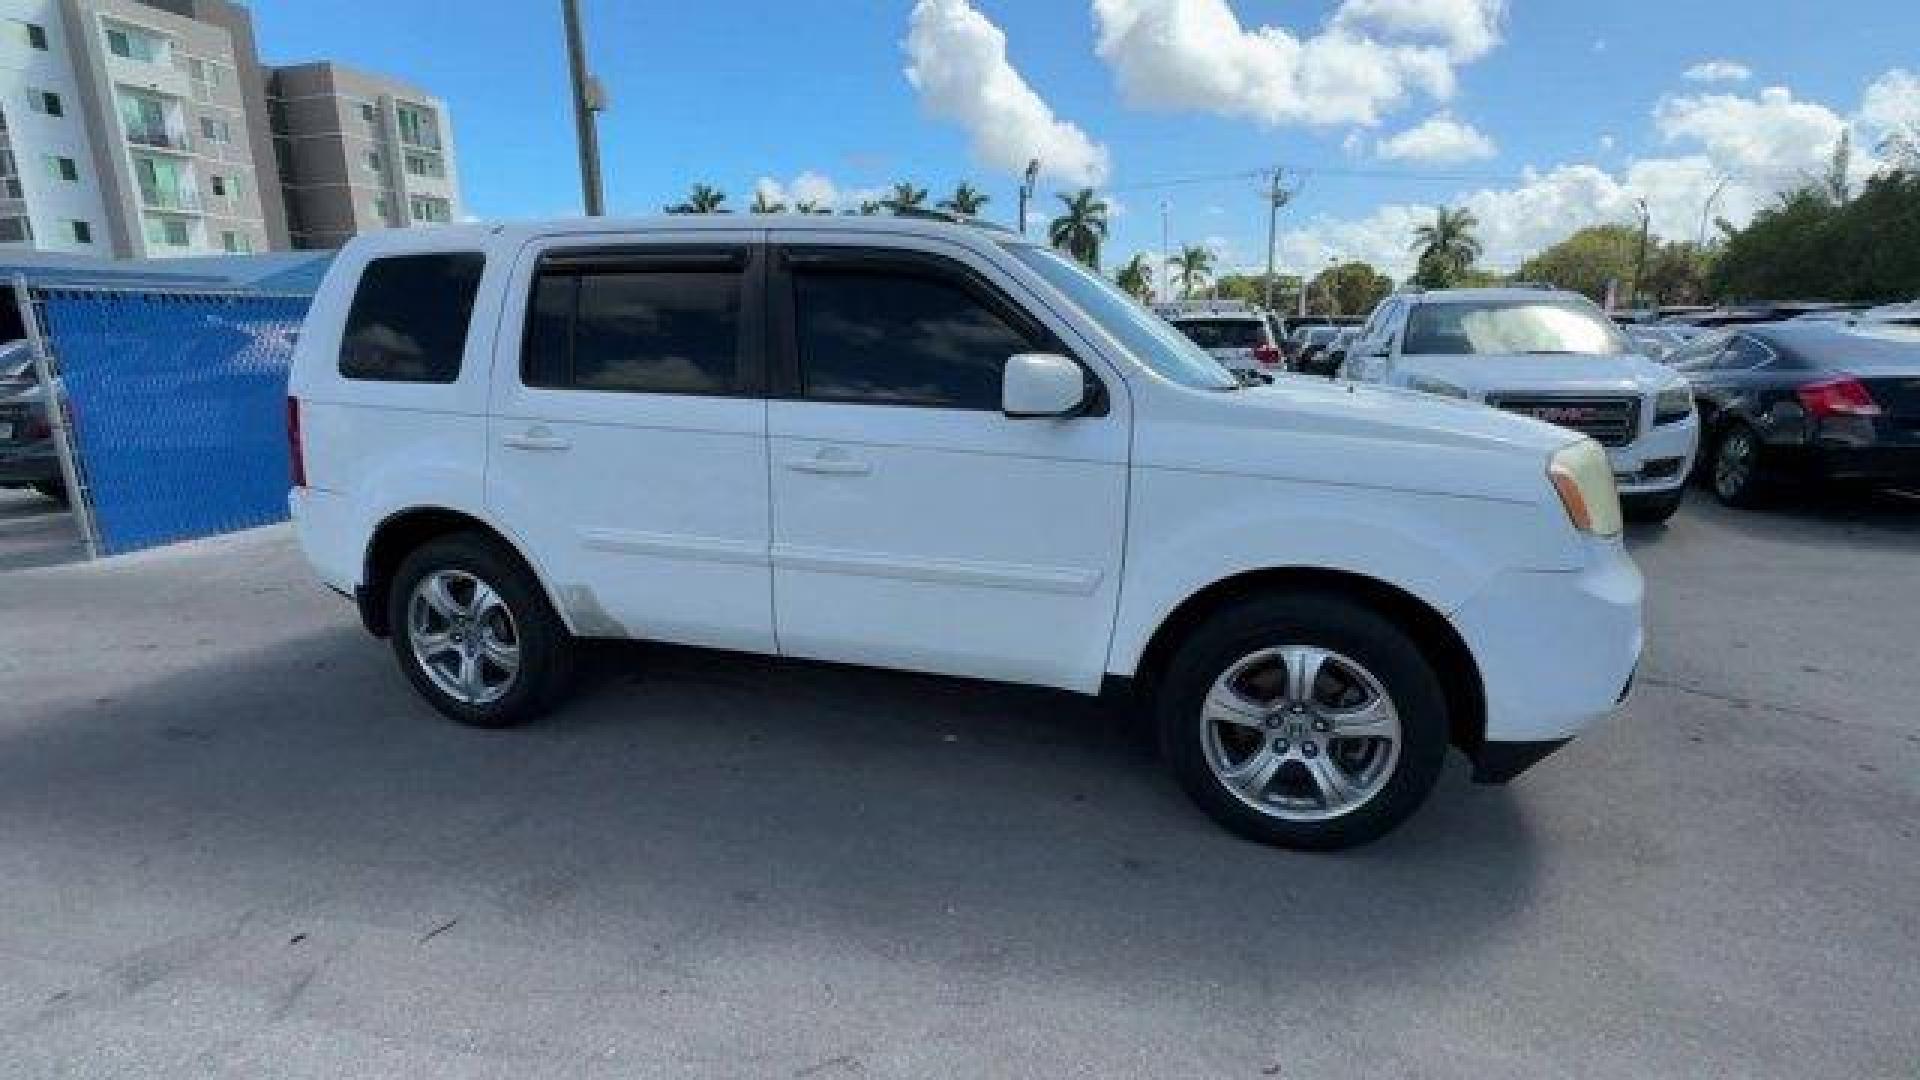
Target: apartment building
x=359, y=152
x=148, y=128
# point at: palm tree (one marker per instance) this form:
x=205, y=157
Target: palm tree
x=1082, y=228
x=1447, y=248
x=870, y=207
x=905, y=197
x=966, y=199
x=764, y=205
x=1191, y=268
x=811, y=206
x=701, y=200
x=1136, y=277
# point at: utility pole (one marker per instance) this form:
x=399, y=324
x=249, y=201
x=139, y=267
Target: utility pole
x=588, y=101
x=1277, y=197
x=1700, y=239
x=1640, y=260
x=1026, y=191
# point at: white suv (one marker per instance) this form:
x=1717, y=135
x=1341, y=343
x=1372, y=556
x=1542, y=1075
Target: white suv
x=920, y=445
x=1551, y=355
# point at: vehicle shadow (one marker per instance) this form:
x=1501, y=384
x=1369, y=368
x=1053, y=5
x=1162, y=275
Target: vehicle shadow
x=1865, y=517
x=689, y=805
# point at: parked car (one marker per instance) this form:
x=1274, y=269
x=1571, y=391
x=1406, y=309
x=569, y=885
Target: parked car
x=1310, y=345
x=28, y=458
x=1334, y=356
x=1652, y=342
x=1552, y=355
x=1241, y=340
x=918, y=445
x=1806, y=401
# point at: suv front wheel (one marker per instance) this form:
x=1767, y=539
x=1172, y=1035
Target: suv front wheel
x=475, y=635
x=1305, y=720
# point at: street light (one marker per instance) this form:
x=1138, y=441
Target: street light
x=1026, y=191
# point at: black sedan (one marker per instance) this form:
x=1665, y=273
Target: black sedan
x=27, y=456
x=1801, y=401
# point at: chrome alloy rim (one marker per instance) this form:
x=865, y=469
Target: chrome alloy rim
x=463, y=636
x=1734, y=463
x=1300, y=733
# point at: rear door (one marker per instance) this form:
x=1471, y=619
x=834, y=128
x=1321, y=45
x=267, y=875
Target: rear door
x=914, y=525
x=628, y=436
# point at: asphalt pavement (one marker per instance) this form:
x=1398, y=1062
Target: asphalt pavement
x=234, y=844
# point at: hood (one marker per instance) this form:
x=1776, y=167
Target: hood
x=1624, y=373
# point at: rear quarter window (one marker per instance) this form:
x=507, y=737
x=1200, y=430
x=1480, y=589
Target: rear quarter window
x=409, y=317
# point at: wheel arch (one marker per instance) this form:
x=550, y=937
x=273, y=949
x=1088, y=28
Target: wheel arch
x=404, y=531
x=1436, y=636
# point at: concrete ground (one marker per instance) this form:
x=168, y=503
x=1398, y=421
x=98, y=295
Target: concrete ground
x=234, y=844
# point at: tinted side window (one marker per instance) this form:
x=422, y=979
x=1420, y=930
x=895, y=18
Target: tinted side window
x=650, y=324
x=408, y=321
x=894, y=335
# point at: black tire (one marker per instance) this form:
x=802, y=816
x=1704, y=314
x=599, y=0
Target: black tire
x=1653, y=509
x=1733, y=485
x=545, y=649
x=52, y=489
x=1321, y=619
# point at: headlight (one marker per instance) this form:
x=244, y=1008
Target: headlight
x=1584, y=478
x=1437, y=386
x=1674, y=404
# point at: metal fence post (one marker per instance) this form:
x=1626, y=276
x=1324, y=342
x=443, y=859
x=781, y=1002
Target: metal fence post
x=77, y=497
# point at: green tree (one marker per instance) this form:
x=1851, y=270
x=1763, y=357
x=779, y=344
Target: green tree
x=701, y=200
x=811, y=206
x=905, y=197
x=1447, y=248
x=1252, y=288
x=1587, y=260
x=1081, y=228
x=764, y=205
x=1192, y=268
x=1135, y=277
x=966, y=199
x=1677, y=273
x=1350, y=288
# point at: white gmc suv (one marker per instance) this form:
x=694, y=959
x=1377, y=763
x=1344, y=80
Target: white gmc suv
x=921, y=445
x=1549, y=354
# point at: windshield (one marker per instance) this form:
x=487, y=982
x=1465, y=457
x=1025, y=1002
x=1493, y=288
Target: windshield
x=1224, y=333
x=1150, y=339
x=1522, y=326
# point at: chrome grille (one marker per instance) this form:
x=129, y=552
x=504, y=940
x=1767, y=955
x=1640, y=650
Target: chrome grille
x=1611, y=421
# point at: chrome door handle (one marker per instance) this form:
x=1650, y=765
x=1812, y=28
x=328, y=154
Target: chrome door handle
x=537, y=439
x=832, y=466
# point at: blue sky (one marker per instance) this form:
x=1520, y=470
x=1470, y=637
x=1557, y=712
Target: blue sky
x=1540, y=116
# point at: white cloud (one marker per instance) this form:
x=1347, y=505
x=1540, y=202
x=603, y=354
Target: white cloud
x=1772, y=138
x=957, y=60
x=1369, y=57
x=1439, y=140
x=808, y=187
x=1891, y=107
x=1718, y=71
x=1606, y=142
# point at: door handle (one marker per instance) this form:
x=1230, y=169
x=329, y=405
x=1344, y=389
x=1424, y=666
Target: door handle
x=537, y=438
x=829, y=463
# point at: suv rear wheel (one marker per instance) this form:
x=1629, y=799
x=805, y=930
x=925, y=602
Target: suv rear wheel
x=1304, y=719
x=474, y=633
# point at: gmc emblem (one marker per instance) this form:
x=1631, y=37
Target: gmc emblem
x=1562, y=414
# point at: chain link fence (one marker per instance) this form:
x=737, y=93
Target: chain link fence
x=175, y=405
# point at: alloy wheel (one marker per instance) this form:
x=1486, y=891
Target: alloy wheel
x=463, y=636
x=1300, y=733
x=1733, y=465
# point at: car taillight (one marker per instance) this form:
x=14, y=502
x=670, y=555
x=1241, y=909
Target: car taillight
x=1266, y=354
x=1837, y=397
x=296, y=452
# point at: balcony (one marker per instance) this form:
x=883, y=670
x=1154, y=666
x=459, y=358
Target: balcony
x=159, y=137
x=179, y=200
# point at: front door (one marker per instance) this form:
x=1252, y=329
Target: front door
x=914, y=525
x=628, y=436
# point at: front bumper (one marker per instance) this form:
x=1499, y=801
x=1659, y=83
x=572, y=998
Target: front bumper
x=1659, y=460
x=1556, y=651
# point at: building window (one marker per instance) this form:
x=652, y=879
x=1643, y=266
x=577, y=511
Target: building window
x=15, y=230
x=429, y=209
x=167, y=232
x=424, y=165
x=32, y=35
x=373, y=160
x=130, y=44
x=45, y=101
x=417, y=127
x=219, y=186
x=215, y=130
x=236, y=243
x=383, y=208
x=370, y=114
x=82, y=232
x=63, y=168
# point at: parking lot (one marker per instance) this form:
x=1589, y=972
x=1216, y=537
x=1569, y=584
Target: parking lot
x=233, y=843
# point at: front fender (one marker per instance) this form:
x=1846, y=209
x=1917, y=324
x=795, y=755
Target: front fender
x=1207, y=528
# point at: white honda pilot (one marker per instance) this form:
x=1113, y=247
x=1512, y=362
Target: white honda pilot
x=929, y=446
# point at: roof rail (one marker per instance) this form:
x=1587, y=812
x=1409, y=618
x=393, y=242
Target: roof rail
x=924, y=213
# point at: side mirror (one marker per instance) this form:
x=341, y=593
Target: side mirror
x=1041, y=385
